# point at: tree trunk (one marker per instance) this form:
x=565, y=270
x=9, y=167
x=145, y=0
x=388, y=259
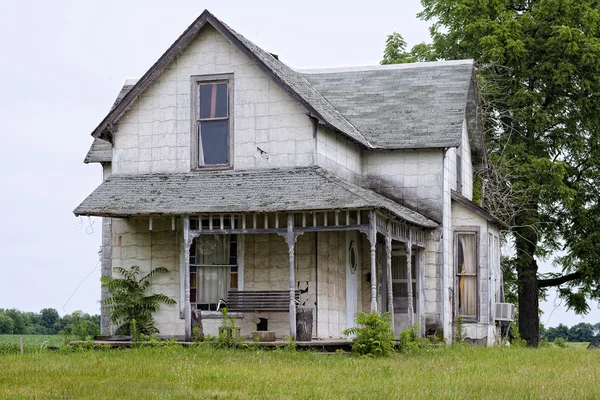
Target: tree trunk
x=529, y=320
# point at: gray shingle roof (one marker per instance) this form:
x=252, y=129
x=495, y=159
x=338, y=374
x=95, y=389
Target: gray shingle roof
x=302, y=87
x=420, y=105
x=409, y=106
x=101, y=150
x=267, y=190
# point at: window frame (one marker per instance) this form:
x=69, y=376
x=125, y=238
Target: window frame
x=195, y=122
x=467, y=230
x=234, y=241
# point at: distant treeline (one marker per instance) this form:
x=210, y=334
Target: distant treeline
x=582, y=332
x=46, y=322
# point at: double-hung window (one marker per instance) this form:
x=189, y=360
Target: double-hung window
x=213, y=270
x=211, y=128
x=466, y=274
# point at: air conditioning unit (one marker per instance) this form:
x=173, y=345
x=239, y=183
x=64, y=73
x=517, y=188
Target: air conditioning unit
x=505, y=312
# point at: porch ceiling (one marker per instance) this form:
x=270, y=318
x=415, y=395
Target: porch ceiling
x=266, y=190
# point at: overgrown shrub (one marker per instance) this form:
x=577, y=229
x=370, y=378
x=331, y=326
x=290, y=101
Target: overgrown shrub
x=374, y=336
x=128, y=300
x=228, y=331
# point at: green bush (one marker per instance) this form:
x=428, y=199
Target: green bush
x=560, y=342
x=374, y=336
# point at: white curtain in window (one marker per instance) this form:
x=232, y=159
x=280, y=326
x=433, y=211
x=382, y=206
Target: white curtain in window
x=468, y=282
x=213, y=282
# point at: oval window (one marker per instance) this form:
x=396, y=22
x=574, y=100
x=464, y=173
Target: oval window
x=353, y=257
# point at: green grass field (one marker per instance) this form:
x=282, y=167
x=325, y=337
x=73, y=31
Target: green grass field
x=51, y=340
x=205, y=372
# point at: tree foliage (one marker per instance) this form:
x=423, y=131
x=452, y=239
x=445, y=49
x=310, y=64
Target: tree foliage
x=539, y=78
x=128, y=300
x=46, y=322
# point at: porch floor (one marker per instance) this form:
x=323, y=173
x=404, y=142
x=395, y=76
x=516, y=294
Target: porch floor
x=325, y=345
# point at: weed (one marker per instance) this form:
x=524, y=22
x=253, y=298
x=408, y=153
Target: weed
x=459, y=335
x=374, y=337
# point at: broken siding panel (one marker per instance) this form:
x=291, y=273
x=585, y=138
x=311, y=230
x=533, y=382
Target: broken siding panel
x=269, y=128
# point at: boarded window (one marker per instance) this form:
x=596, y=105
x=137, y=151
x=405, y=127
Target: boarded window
x=466, y=271
x=213, y=124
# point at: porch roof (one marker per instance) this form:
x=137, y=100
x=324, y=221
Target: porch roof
x=262, y=190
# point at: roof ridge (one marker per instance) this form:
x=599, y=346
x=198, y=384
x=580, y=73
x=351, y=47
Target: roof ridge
x=287, y=78
x=300, y=76
x=366, y=68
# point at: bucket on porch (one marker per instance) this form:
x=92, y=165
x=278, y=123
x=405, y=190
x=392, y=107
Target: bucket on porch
x=304, y=323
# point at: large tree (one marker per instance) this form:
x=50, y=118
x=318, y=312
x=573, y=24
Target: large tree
x=539, y=77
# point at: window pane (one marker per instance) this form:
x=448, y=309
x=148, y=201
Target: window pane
x=213, y=100
x=467, y=265
x=214, y=138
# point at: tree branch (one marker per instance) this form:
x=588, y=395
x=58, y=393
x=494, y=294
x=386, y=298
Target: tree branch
x=542, y=283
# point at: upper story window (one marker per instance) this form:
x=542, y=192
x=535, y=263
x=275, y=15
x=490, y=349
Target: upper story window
x=212, y=122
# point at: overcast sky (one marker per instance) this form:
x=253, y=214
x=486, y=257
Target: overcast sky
x=63, y=63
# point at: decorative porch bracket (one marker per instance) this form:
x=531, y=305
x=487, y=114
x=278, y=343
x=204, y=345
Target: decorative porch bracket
x=290, y=238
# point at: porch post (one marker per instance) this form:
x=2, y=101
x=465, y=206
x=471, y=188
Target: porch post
x=186, y=256
x=373, y=242
x=411, y=314
x=388, y=257
x=291, y=242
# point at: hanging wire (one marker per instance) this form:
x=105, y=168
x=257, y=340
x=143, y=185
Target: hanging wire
x=78, y=286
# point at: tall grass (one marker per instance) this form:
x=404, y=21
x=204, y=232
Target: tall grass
x=205, y=372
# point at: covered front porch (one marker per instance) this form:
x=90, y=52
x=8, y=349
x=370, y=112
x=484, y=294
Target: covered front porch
x=333, y=247
x=332, y=262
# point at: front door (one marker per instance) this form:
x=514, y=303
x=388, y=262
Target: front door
x=352, y=273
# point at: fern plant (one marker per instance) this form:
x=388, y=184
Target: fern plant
x=129, y=302
x=373, y=336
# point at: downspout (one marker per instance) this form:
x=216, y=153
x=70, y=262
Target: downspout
x=317, y=283
x=444, y=291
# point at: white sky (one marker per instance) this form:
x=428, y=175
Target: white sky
x=63, y=63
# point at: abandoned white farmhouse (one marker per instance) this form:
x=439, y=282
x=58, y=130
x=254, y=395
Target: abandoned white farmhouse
x=349, y=189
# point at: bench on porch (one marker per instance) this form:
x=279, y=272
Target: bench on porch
x=259, y=300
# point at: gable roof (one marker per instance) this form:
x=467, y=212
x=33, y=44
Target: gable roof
x=419, y=105
x=262, y=190
x=387, y=107
x=294, y=83
x=482, y=212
